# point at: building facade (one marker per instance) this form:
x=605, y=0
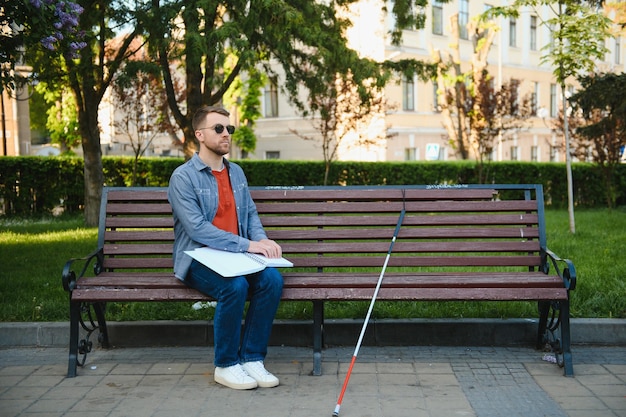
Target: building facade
x=413, y=121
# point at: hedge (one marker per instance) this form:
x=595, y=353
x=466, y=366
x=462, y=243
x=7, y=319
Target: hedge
x=32, y=185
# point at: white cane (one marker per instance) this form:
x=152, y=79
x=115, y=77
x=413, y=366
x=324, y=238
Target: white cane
x=369, y=311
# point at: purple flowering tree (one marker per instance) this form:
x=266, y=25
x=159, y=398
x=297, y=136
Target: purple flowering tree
x=85, y=59
x=49, y=26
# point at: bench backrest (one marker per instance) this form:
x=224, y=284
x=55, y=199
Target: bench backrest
x=472, y=226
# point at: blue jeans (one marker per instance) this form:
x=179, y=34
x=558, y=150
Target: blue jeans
x=264, y=289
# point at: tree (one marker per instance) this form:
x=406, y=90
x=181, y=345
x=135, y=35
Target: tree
x=475, y=113
x=456, y=88
x=344, y=119
x=62, y=120
x=304, y=38
x=141, y=109
x=496, y=114
x=245, y=99
x=578, y=33
x=88, y=74
x=601, y=104
x=35, y=25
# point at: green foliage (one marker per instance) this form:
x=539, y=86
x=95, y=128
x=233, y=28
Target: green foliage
x=37, y=185
x=578, y=29
x=35, y=25
x=62, y=120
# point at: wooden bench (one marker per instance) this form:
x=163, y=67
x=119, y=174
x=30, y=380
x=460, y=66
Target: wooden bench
x=456, y=243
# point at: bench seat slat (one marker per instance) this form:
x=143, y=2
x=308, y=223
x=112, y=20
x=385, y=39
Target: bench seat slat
x=427, y=294
x=331, y=280
x=133, y=294
x=333, y=294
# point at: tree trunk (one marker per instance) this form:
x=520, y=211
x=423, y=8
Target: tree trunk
x=568, y=165
x=94, y=177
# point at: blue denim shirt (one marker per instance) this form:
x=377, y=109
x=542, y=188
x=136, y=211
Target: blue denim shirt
x=193, y=195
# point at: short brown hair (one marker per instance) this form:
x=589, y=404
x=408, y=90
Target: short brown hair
x=198, y=117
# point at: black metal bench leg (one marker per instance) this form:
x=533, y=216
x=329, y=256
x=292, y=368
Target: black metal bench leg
x=318, y=334
x=544, y=310
x=73, y=357
x=568, y=366
x=103, y=338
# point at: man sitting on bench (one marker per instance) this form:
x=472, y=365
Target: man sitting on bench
x=212, y=207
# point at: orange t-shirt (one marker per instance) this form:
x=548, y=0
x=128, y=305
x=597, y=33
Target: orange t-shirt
x=226, y=216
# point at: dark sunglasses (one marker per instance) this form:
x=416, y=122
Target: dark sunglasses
x=219, y=128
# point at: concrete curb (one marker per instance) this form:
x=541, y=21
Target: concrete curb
x=409, y=332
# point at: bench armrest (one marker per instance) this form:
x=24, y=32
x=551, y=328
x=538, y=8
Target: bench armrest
x=568, y=275
x=69, y=276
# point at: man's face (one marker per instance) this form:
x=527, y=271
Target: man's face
x=210, y=139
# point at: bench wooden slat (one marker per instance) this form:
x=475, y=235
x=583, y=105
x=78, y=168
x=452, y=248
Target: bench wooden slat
x=382, y=220
x=138, y=236
x=139, y=263
x=114, y=249
x=139, y=208
x=137, y=194
x=415, y=262
x=406, y=233
x=425, y=280
x=333, y=294
x=137, y=222
x=142, y=294
x=140, y=280
x=426, y=294
x=417, y=247
x=386, y=193
x=344, y=207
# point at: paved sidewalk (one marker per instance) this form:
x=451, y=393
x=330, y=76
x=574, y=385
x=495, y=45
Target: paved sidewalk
x=386, y=381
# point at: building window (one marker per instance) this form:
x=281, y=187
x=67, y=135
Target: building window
x=534, y=154
x=512, y=32
x=514, y=153
x=410, y=154
x=535, y=99
x=435, y=97
x=437, y=9
x=554, y=154
x=463, y=18
x=271, y=99
x=272, y=154
x=553, y=104
x=408, y=94
x=515, y=87
x=533, y=33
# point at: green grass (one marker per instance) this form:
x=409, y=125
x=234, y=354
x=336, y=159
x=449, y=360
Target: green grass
x=33, y=252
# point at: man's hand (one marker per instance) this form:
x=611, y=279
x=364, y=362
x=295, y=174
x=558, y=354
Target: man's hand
x=266, y=247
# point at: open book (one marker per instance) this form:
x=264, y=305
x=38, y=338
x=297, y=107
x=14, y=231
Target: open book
x=233, y=264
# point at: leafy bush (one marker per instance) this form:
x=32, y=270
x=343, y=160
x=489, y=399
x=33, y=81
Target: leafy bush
x=36, y=185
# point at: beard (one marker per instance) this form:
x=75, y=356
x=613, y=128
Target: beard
x=221, y=148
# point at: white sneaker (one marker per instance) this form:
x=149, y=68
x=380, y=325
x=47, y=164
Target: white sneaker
x=234, y=377
x=257, y=371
